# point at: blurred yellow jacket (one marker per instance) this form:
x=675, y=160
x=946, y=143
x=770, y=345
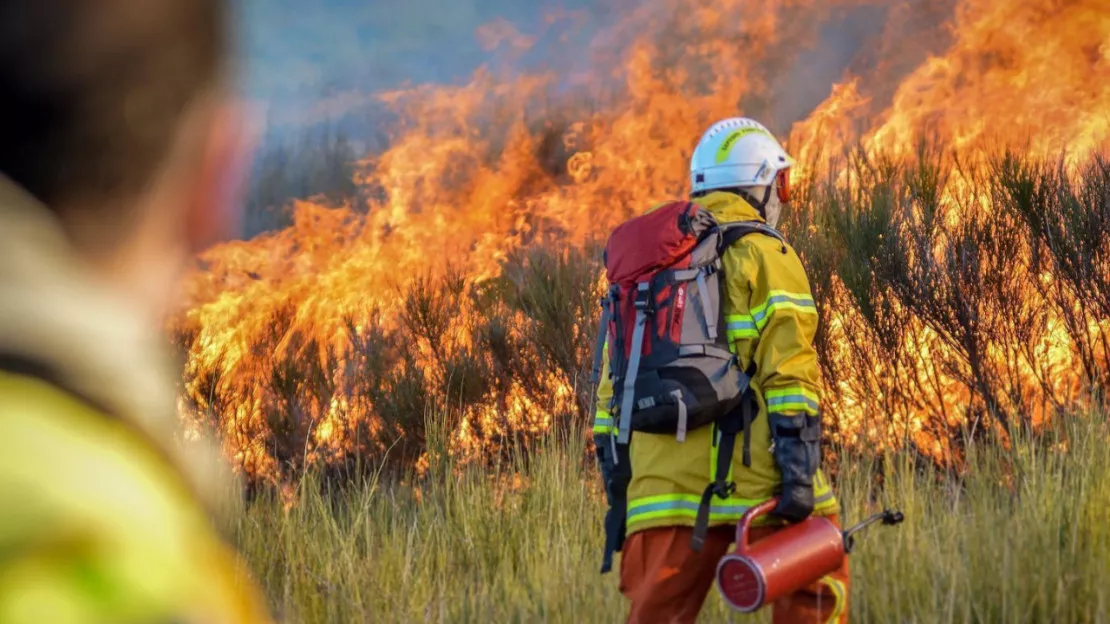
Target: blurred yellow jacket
x=106, y=515
x=771, y=320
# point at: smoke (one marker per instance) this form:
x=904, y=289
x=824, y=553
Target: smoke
x=875, y=43
x=330, y=60
x=296, y=53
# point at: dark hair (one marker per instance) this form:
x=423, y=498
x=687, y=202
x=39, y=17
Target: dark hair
x=92, y=92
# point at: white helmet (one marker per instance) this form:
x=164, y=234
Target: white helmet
x=738, y=152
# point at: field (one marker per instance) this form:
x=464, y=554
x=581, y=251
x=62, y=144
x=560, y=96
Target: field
x=1022, y=535
x=396, y=361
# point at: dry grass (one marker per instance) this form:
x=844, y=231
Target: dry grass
x=1020, y=536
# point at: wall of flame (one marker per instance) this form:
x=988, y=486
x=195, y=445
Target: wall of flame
x=559, y=155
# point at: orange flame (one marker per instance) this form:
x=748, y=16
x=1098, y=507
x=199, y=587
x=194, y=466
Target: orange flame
x=504, y=162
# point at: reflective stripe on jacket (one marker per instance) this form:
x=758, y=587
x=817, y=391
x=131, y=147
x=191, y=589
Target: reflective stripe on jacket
x=771, y=319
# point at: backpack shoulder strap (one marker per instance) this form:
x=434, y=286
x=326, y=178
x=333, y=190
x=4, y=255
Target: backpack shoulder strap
x=643, y=301
x=599, y=346
x=732, y=232
x=735, y=422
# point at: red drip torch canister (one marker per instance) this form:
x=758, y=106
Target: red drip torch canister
x=779, y=564
x=787, y=560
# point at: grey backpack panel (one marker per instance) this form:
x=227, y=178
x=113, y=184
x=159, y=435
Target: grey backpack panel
x=684, y=381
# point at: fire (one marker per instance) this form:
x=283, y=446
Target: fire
x=511, y=161
x=1019, y=71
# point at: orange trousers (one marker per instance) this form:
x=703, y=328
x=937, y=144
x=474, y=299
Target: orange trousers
x=667, y=582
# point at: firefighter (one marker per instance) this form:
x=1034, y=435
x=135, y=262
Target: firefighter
x=738, y=172
x=120, y=145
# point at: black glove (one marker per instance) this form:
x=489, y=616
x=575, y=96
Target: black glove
x=795, y=502
x=797, y=441
x=604, y=462
x=616, y=472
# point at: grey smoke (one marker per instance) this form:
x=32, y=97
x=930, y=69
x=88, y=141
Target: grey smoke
x=324, y=59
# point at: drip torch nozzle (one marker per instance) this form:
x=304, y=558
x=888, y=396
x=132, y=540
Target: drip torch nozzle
x=888, y=517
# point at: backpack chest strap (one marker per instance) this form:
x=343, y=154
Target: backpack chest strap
x=710, y=350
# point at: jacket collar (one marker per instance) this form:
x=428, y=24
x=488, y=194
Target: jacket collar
x=728, y=207
x=99, y=346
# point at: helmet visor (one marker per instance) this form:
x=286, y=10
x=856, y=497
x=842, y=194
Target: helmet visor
x=783, y=185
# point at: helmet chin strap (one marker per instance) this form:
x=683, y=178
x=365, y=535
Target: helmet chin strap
x=759, y=205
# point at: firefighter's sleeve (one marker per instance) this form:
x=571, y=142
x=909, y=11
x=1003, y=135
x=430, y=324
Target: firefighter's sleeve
x=603, y=418
x=771, y=321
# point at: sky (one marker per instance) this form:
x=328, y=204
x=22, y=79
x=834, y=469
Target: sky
x=298, y=54
x=297, y=51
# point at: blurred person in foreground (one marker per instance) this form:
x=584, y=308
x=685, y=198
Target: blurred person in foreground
x=120, y=147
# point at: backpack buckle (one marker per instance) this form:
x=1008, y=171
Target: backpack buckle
x=643, y=297
x=724, y=489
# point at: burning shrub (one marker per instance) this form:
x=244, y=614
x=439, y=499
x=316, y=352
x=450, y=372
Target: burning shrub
x=557, y=293
x=955, y=300
x=1067, y=222
x=953, y=294
x=940, y=316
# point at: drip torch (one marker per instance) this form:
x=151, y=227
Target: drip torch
x=789, y=559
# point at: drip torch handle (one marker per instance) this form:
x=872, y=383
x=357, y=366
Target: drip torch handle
x=891, y=517
x=888, y=517
x=745, y=524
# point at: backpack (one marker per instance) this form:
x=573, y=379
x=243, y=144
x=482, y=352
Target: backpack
x=669, y=357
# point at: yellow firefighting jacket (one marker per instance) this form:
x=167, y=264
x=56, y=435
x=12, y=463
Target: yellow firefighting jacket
x=771, y=320
x=105, y=514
